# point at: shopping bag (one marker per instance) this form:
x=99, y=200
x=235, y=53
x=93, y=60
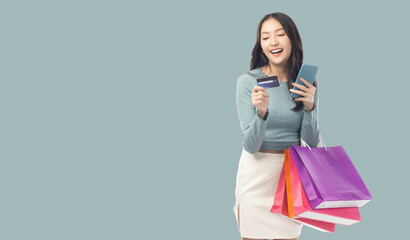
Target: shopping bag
x=280, y=207
x=279, y=201
x=329, y=177
x=299, y=206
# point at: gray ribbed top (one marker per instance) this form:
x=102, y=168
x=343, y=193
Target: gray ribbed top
x=283, y=126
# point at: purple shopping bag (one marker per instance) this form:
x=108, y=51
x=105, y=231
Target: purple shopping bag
x=329, y=177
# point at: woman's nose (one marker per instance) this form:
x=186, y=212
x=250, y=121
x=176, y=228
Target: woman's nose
x=274, y=41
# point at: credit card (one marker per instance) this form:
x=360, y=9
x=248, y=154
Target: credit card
x=268, y=82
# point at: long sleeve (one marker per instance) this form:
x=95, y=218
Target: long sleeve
x=310, y=124
x=253, y=127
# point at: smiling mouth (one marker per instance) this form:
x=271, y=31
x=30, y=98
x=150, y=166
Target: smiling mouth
x=277, y=51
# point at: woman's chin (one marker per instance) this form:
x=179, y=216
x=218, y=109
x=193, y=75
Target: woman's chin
x=278, y=62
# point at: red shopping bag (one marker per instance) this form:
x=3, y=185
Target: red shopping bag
x=280, y=207
x=299, y=205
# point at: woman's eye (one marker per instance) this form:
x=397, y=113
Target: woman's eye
x=281, y=35
x=265, y=38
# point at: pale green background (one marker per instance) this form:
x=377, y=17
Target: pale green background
x=118, y=118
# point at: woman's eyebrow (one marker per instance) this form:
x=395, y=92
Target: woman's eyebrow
x=274, y=31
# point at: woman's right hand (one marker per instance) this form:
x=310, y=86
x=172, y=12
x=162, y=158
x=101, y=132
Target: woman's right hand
x=260, y=99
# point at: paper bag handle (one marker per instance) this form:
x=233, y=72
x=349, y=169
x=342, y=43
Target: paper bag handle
x=320, y=144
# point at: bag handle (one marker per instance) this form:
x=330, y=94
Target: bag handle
x=320, y=144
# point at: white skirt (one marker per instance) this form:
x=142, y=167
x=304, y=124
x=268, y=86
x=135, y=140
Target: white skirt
x=256, y=182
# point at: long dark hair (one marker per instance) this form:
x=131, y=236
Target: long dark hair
x=296, y=57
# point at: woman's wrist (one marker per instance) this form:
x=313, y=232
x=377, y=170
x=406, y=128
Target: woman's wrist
x=309, y=108
x=263, y=115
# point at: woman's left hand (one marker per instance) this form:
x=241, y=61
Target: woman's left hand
x=307, y=94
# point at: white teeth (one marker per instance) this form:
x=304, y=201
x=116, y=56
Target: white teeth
x=276, y=51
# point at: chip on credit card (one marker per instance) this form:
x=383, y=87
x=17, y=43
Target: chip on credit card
x=268, y=82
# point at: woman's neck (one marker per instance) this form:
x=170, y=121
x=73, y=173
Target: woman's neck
x=276, y=71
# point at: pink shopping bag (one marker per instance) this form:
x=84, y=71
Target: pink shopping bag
x=280, y=207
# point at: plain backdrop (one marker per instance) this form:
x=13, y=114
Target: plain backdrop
x=118, y=118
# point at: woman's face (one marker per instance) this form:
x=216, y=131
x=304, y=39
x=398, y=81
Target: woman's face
x=273, y=40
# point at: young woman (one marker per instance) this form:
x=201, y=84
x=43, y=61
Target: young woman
x=271, y=121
